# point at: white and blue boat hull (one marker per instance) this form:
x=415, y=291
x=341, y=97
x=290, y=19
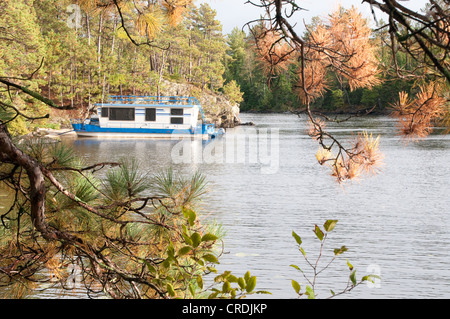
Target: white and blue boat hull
x=87, y=130
x=147, y=117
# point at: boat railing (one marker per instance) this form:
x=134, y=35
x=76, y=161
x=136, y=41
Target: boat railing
x=136, y=99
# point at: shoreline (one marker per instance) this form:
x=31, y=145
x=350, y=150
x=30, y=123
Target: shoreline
x=344, y=113
x=52, y=133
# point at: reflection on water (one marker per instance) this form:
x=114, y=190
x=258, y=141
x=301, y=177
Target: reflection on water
x=394, y=224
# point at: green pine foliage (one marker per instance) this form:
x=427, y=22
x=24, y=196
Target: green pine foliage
x=87, y=57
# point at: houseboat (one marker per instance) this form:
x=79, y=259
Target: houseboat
x=147, y=117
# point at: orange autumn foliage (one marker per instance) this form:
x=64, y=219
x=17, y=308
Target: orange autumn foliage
x=274, y=52
x=175, y=10
x=314, y=76
x=350, y=50
x=341, y=44
x=149, y=16
x=338, y=46
x=416, y=116
x=367, y=153
x=364, y=158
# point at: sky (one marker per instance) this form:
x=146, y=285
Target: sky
x=235, y=13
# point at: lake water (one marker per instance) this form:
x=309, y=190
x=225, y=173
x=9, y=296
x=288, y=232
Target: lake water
x=264, y=183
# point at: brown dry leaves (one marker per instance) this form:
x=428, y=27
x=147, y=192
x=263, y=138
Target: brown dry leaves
x=152, y=17
x=175, y=10
x=340, y=44
x=364, y=158
x=274, y=52
x=416, y=116
x=350, y=50
x=149, y=16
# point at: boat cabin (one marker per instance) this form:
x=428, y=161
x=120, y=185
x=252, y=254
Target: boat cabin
x=149, y=112
x=147, y=116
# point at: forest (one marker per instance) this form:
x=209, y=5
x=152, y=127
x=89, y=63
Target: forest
x=81, y=55
x=132, y=235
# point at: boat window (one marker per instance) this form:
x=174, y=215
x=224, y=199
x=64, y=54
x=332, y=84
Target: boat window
x=150, y=114
x=121, y=114
x=105, y=112
x=176, y=111
x=176, y=120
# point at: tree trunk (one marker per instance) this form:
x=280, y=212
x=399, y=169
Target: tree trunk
x=9, y=153
x=88, y=29
x=99, y=40
x=133, y=71
x=49, y=83
x=71, y=83
x=114, y=35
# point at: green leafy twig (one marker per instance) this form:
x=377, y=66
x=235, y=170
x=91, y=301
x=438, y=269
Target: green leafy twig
x=310, y=289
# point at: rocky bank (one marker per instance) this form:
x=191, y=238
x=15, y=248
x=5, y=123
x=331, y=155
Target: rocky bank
x=218, y=109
